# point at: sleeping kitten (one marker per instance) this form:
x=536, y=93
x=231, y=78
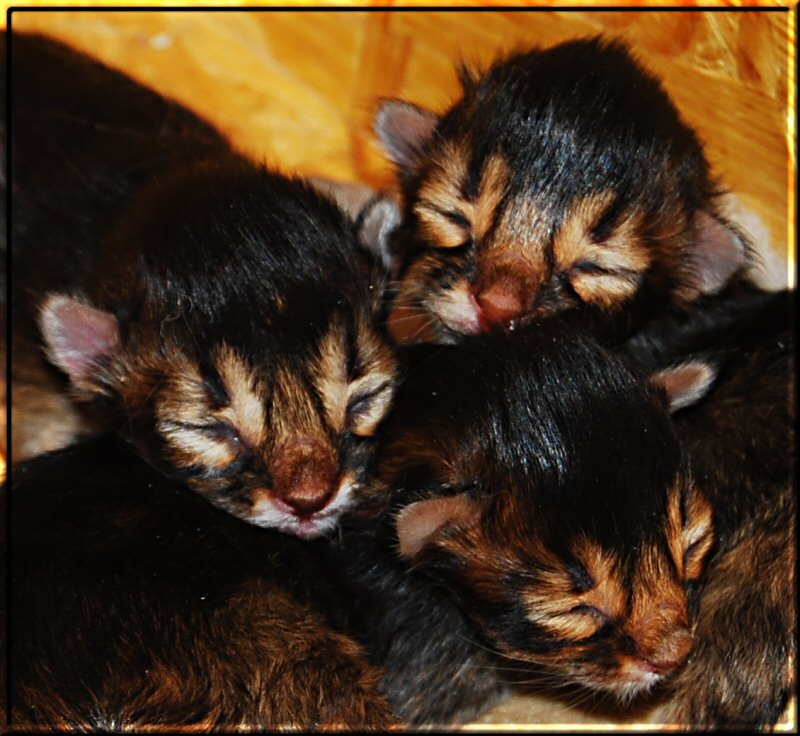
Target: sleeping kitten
x=561, y=179
x=548, y=521
x=136, y=605
x=223, y=315
x=741, y=442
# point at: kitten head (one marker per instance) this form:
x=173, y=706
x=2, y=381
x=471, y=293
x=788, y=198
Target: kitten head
x=542, y=484
x=233, y=329
x=561, y=179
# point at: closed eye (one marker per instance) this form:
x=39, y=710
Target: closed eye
x=368, y=406
x=585, y=608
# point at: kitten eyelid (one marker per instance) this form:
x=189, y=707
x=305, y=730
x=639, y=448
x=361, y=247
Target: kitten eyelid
x=365, y=396
x=587, y=267
x=567, y=286
x=585, y=608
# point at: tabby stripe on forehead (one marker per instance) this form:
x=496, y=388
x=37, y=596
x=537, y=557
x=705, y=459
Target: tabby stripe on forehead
x=246, y=408
x=447, y=217
x=330, y=376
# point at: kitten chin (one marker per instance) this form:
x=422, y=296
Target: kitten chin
x=741, y=442
x=137, y=606
x=224, y=316
x=532, y=487
x=560, y=179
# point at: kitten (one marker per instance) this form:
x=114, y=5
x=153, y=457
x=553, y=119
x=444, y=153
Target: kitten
x=561, y=179
x=137, y=605
x=224, y=316
x=539, y=497
x=741, y=442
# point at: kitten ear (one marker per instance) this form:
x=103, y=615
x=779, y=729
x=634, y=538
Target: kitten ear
x=377, y=221
x=421, y=522
x=404, y=130
x=718, y=252
x=78, y=338
x=685, y=384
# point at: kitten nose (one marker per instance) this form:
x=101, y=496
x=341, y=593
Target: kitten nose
x=500, y=304
x=671, y=653
x=304, y=475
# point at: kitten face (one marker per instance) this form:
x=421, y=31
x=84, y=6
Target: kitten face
x=561, y=179
x=609, y=619
x=543, y=486
x=250, y=366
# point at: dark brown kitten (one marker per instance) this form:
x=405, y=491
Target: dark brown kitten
x=224, y=316
x=136, y=605
x=741, y=440
x=562, y=178
x=538, y=494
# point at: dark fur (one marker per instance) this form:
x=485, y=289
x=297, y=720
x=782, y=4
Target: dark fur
x=135, y=604
x=542, y=438
x=592, y=192
x=741, y=441
x=218, y=309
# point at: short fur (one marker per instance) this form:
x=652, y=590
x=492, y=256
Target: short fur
x=540, y=495
x=135, y=605
x=562, y=178
x=222, y=314
x=741, y=441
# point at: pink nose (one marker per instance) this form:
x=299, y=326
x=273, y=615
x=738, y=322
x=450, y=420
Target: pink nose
x=304, y=475
x=500, y=304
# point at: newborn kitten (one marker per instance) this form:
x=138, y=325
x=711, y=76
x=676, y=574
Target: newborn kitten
x=136, y=605
x=224, y=315
x=562, y=178
x=538, y=494
x=741, y=442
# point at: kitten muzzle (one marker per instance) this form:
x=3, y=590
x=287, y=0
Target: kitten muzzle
x=305, y=476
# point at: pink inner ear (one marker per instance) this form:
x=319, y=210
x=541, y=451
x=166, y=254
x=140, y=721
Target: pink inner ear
x=419, y=523
x=404, y=129
x=718, y=253
x=685, y=384
x=77, y=336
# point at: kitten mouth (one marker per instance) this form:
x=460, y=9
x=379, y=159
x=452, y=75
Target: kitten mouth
x=271, y=512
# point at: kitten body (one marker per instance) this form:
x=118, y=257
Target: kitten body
x=548, y=525
x=741, y=443
x=137, y=605
x=223, y=316
x=562, y=178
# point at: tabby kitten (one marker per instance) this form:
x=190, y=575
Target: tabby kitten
x=540, y=500
x=136, y=605
x=741, y=442
x=223, y=315
x=561, y=179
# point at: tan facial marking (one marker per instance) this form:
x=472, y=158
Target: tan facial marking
x=495, y=179
x=293, y=411
x=378, y=378
x=554, y=604
x=622, y=256
x=691, y=541
x=199, y=447
x=331, y=377
x=246, y=410
x=608, y=594
x=441, y=193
